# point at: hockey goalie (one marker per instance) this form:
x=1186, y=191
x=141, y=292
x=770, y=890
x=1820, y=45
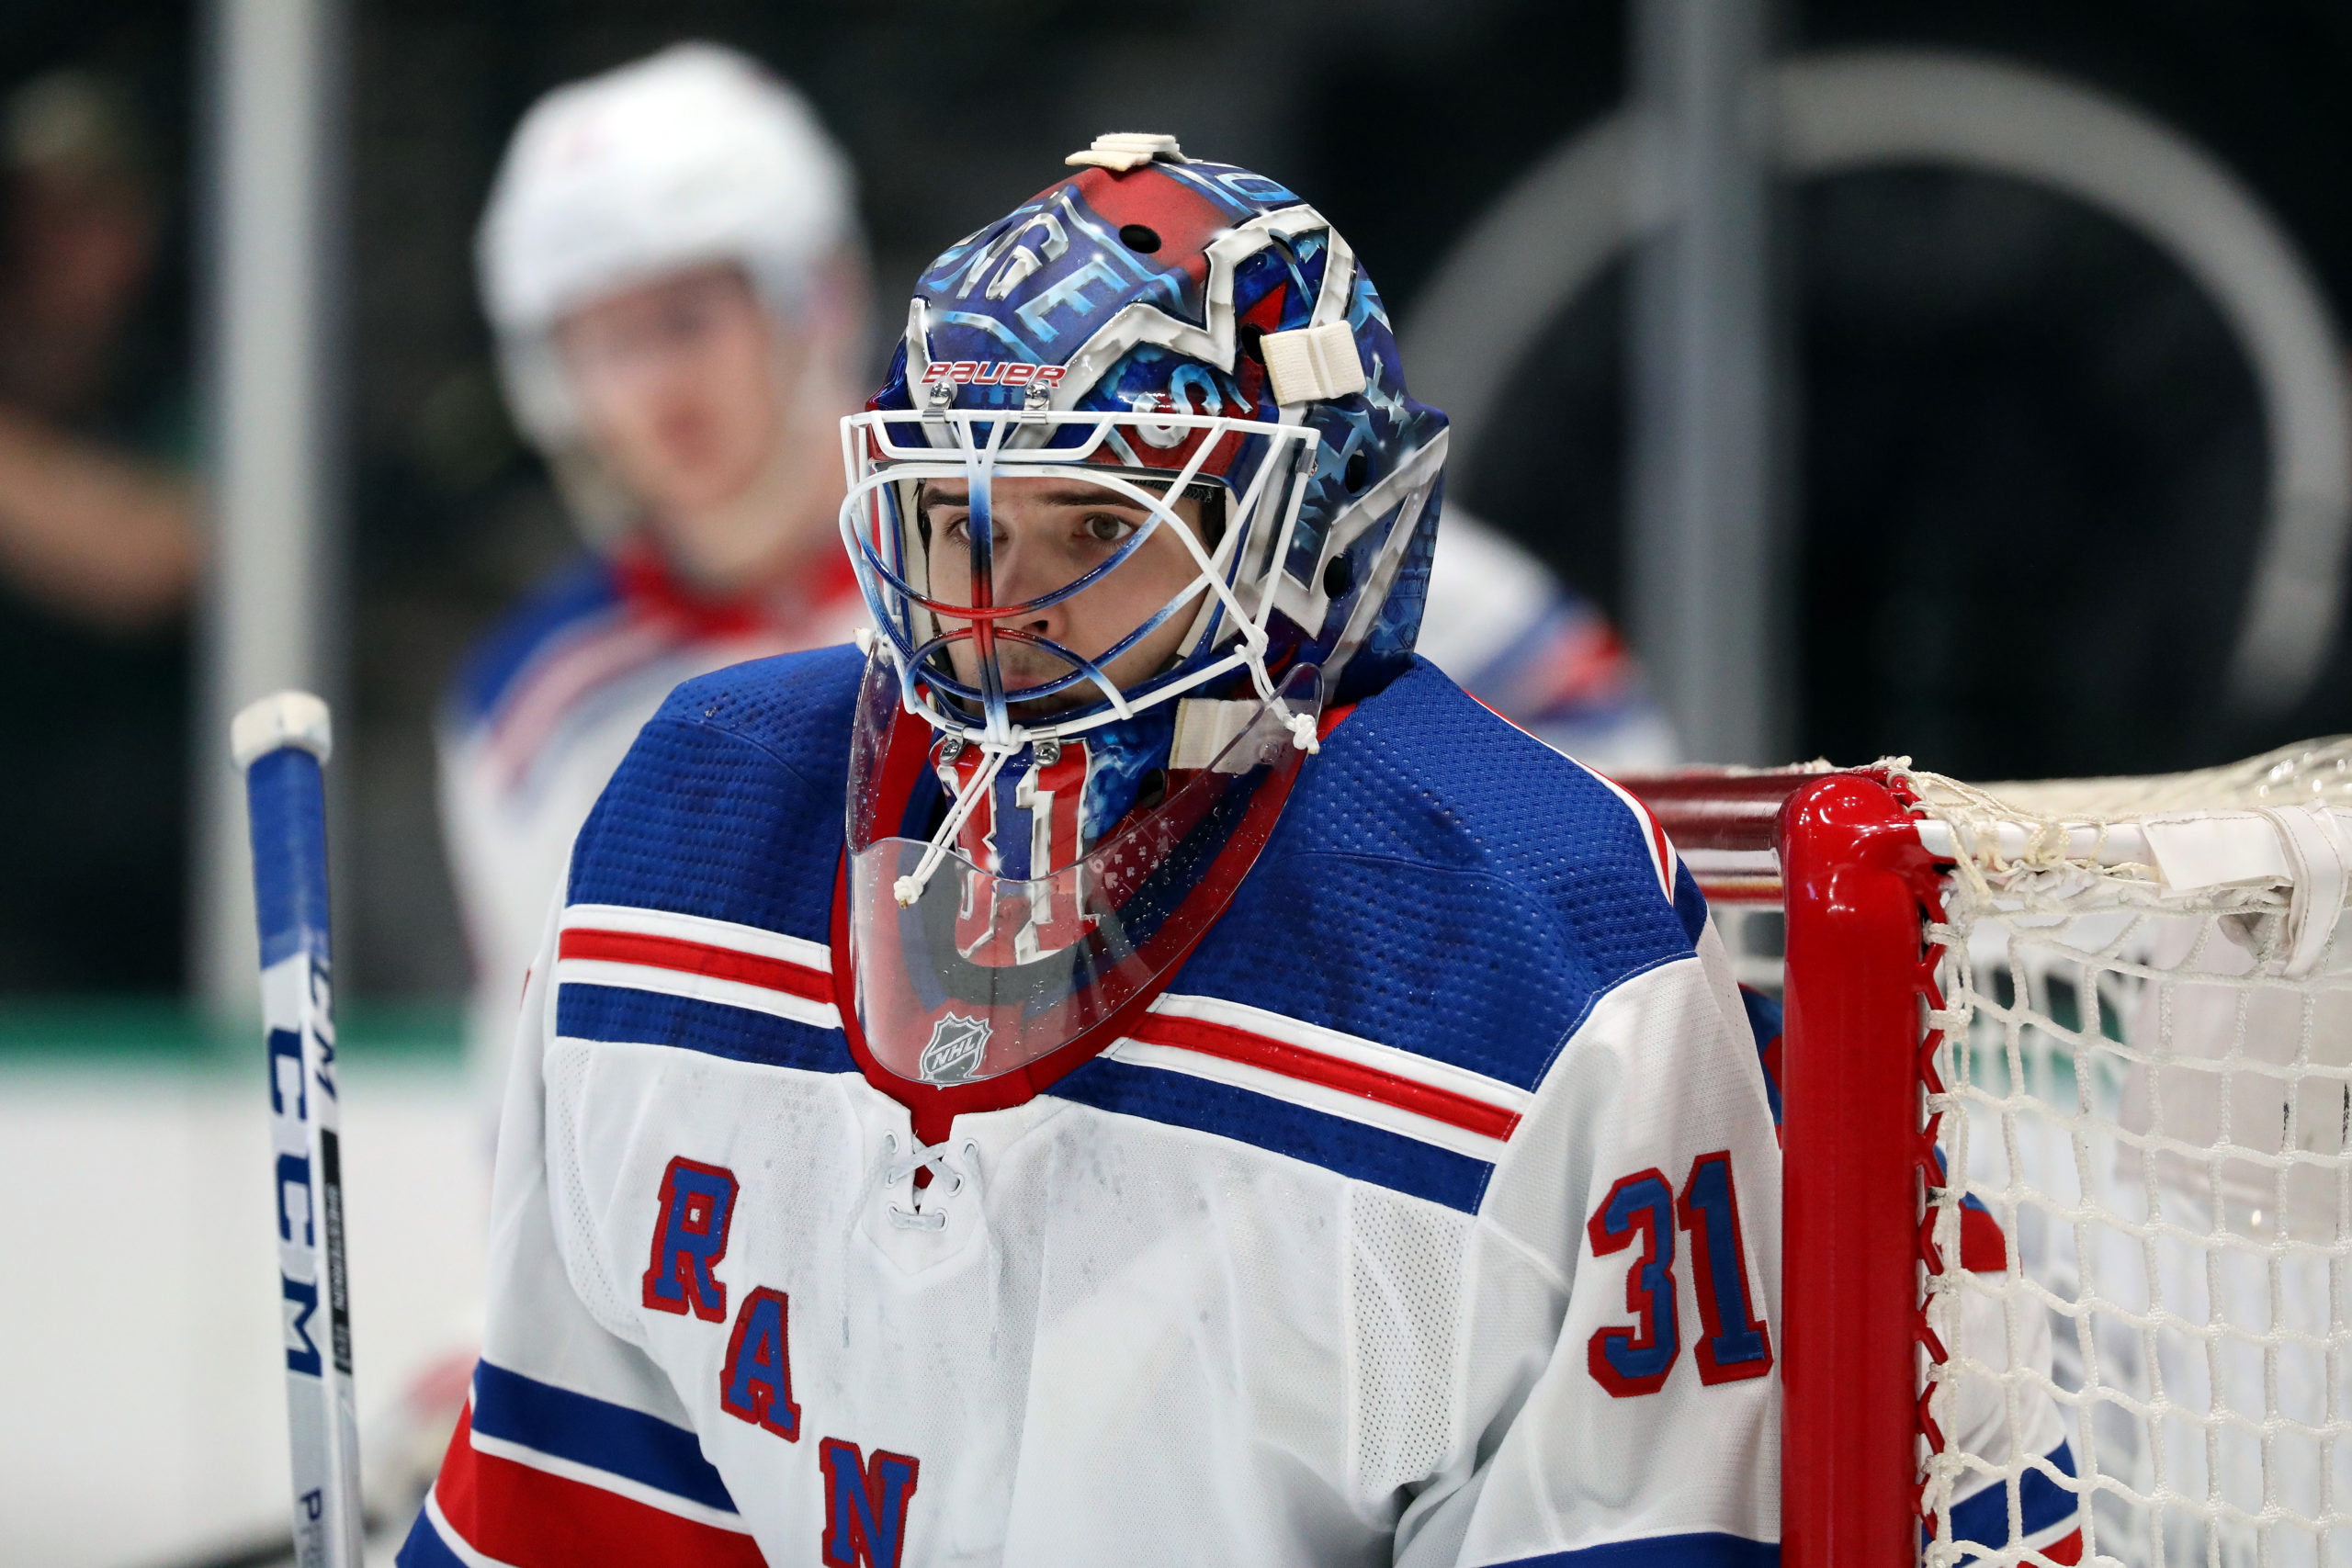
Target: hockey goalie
x=1134, y=1066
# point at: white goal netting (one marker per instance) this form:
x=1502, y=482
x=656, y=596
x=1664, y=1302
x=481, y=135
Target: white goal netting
x=2146, y=1079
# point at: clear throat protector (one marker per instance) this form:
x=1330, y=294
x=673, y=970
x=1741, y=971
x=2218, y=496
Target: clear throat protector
x=1008, y=951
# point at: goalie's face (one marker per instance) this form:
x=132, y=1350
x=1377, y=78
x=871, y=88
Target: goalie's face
x=1043, y=534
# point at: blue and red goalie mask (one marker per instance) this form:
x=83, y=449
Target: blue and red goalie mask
x=1039, y=827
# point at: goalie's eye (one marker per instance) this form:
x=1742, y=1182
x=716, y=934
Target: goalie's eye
x=1107, y=528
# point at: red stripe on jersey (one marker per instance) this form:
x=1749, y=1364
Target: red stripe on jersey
x=2069, y=1551
x=1657, y=846
x=1661, y=853
x=532, y=1519
x=697, y=958
x=1333, y=1072
x=1583, y=666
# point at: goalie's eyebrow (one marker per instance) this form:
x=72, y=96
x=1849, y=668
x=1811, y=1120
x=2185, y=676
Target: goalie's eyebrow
x=926, y=496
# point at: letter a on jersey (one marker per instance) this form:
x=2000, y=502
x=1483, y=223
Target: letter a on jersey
x=755, y=1384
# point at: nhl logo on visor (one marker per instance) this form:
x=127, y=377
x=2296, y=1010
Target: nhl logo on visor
x=958, y=1044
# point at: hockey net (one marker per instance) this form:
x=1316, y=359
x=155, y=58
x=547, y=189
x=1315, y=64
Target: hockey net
x=2115, y=1016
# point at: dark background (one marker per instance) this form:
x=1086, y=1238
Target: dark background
x=2026, y=461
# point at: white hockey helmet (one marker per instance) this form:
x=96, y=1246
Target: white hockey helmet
x=693, y=156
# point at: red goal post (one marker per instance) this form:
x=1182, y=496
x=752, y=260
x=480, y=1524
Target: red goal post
x=2118, y=1010
x=1841, y=855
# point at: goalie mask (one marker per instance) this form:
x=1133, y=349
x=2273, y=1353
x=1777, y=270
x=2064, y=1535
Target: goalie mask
x=1143, y=495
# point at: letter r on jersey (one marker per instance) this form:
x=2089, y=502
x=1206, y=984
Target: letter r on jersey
x=697, y=1204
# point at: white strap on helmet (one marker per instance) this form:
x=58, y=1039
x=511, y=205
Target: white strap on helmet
x=1310, y=363
x=1124, y=150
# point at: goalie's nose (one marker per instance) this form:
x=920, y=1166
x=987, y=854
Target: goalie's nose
x=1021, y=574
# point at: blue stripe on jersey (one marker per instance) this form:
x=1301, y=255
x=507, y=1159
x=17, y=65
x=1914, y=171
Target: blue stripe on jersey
x=1764, y=1022
x=425, y=1547
x=1351, y=1148
x=1970, y=1201
x=621, y=1016
x=579, y=589
x=1707, y=1549
x=1982, y=1520
x=611, y=1438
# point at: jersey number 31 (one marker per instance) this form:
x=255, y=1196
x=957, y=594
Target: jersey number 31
x=1735, y=1345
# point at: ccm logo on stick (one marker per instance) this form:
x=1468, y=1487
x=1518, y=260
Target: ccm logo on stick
x=994, y=373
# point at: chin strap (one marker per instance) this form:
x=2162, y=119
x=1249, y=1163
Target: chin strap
x=1301, y=727
x=908, y=888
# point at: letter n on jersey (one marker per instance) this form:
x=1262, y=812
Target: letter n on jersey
x=866, y=1504
x=697, y=1204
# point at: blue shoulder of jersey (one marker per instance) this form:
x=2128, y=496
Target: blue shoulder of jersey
x=580, y=591
x=1439, y=884
x=730, y=804
x=1442, y=882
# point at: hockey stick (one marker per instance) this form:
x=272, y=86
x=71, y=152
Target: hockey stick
x=281, y=742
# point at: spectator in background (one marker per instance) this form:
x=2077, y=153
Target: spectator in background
x=89, y=525
x=98, y=550
x=673, y=269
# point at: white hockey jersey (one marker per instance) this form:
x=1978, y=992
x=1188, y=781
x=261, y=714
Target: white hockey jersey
x=1428, y=1217
x=546, y=709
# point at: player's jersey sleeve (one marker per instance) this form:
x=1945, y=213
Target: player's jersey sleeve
x=503, y=865
x=1635, y=1420
x=574, y=1450
x=1502, y=625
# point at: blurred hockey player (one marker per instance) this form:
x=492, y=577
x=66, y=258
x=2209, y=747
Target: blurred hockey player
x=673, y=270
x=1545, y=657
x=1138, y=1067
